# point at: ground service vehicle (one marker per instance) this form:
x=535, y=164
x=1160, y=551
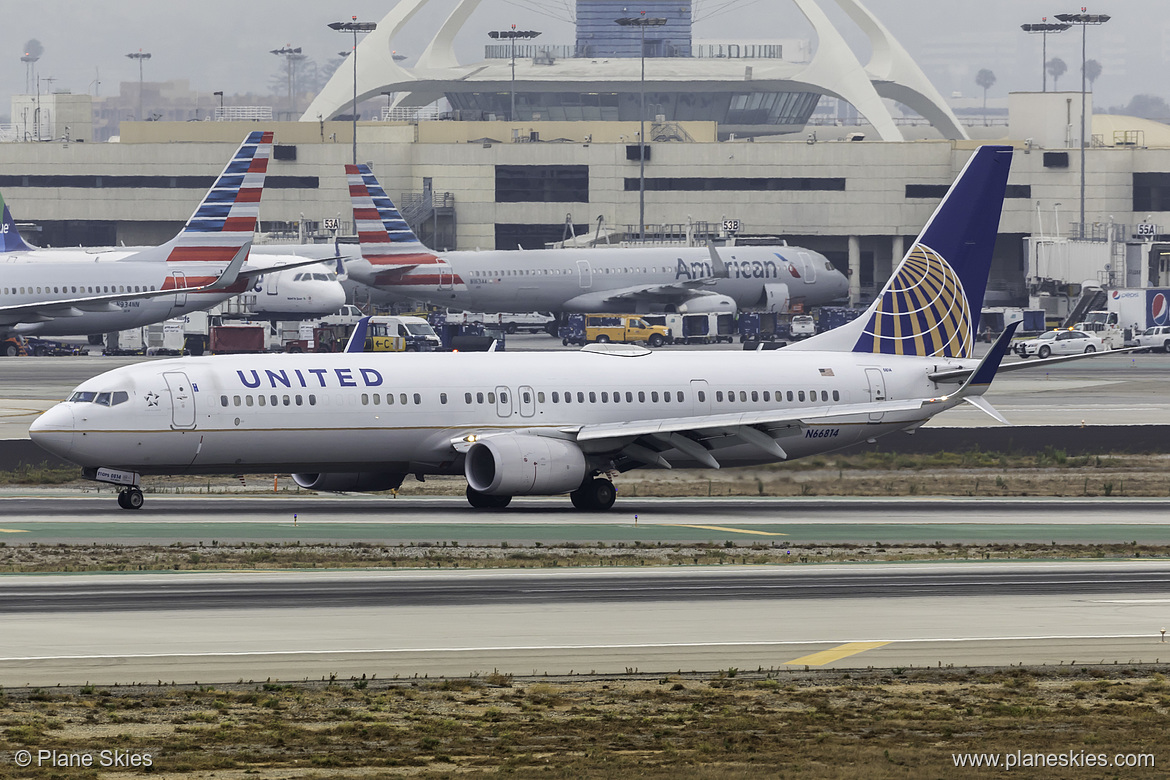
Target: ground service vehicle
x=1155, y=339
x=622, y=329
x=802, y=326
x=414, y=333
x=710, y=328
x=1059, y=342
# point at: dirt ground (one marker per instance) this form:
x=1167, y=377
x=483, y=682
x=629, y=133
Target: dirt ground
x=865, y=723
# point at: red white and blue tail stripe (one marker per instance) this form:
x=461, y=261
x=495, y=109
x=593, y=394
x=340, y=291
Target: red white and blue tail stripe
x=226, y=219
x=387, y=242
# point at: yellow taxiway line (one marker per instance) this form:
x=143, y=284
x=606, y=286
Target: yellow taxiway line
x=723, y=528
x=836, y=653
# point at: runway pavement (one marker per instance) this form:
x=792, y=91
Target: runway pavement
x=108, y=629
x=51, y=517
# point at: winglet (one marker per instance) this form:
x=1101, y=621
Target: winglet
x=718, y=267
x=357, y=340
x=232, y=272
x=981, y=378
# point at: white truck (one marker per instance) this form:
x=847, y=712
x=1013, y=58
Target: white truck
x=1105, y=326
x=802, y=326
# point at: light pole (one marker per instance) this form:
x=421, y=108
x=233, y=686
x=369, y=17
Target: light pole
x=291, y=58
x=1084, y=20
x=642, y=22
x=220, y=96
x=512, y=35
x=355, y=27
x=1044, y=28
x=139, y=55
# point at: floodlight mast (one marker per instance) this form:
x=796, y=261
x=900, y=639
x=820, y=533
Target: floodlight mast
x=355, y=27
x=139, y=55
x=642, y=22
x=1044, y=28
x=1084, y=20
x=512, y=35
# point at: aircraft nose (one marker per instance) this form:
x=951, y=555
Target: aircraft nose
x=53, y=430
x=334, y=297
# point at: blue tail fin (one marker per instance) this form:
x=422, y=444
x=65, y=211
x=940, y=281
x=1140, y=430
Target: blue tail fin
x=931, y=305
x=10, y=240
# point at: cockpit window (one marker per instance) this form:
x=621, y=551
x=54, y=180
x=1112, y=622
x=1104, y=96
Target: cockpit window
x=321, y=277
x=105, y=399
x=298, y=277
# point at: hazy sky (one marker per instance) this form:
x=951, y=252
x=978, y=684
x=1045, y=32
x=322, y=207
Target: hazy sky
x=220, y=45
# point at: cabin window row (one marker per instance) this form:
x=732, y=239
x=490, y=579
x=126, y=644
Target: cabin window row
x=755, y=395
x=368, y=399
x=74, y=290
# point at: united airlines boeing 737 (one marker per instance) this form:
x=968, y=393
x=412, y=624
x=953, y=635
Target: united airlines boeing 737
x=517, y=424
x=68, y=292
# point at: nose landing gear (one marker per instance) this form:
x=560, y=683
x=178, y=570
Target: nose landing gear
x=130, y=498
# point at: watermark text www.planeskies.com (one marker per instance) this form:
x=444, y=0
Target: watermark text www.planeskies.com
x=1023, y=759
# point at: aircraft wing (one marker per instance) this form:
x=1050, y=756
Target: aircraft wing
x=698, y=436
x=252, y=273
x=43, y=311
x=960, y=374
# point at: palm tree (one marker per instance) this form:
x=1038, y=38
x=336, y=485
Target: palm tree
x=1056, y=69
x=986, y=79
x=1092, y=71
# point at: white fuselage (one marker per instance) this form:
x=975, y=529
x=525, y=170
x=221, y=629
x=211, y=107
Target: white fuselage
x=602, y=279
x=46, y=276
x=401, y=412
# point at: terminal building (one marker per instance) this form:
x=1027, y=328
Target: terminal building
x=466, y=183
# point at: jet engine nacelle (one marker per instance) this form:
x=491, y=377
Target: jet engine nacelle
x=708, y=304
x=522, y=464
x=355, y=482
x=776, y=298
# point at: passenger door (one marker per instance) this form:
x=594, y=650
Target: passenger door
x=182, y=399
x=180, y=284
x=877, y=390
x=585, y=274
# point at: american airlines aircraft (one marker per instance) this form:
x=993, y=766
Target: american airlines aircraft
x=67, y=292
x=518, y=424
x=600, y=279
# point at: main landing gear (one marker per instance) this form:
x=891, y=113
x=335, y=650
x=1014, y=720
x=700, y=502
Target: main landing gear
x=594, y=495
x=130, y=498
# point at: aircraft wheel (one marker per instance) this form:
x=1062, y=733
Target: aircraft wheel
x=122, y=499
x=1090, y=349
x=134, y=498
x=485, y=501
x=1044, y=352
x=10, y=350
x=594, y=495
x=656, y=340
